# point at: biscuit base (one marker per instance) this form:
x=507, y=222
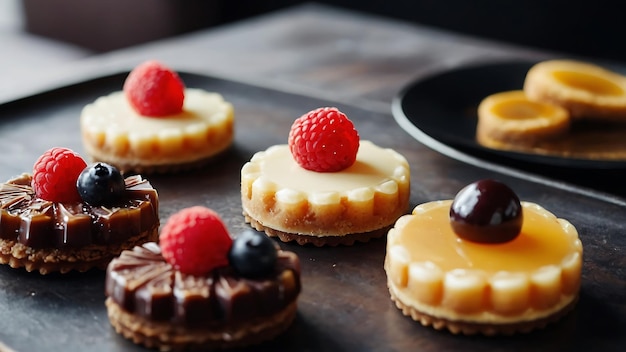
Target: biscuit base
x=473, y=328
x=138, y=166
x=49, y=260
x=318, y=241
x=166, y=336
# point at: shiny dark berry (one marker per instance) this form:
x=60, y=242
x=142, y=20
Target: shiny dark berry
x=100, y=184
x=486, y=211
x=253, y=254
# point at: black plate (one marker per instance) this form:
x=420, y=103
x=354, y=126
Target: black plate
x=440, y=111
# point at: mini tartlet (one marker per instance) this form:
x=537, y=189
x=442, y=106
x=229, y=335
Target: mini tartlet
x=509, y=119
x=469, y=285
x=46, y=226
x=200, y=290
x=132, y=130
x=585, y=90
x=356, y=201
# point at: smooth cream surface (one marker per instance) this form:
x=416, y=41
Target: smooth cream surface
x=113, y=114
x=374, y=167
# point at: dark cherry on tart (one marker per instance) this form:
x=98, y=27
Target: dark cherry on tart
x=51, y=223
x=200, y=289
x=486, y=211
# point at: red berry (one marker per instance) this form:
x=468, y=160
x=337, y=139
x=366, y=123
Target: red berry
x=55, y=174
x=195, y=241
x=324, y=140
x=154, y=90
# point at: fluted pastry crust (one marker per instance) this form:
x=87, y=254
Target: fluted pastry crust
x=282, y=198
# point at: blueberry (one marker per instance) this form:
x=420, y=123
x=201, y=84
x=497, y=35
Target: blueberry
x=100, y=184
x=486, y=211
x=253, y=254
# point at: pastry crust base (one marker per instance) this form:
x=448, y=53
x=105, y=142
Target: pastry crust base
x=144, y=167
x=166, y=336
x=473, y=328
x=49, y=260
x=318, y=241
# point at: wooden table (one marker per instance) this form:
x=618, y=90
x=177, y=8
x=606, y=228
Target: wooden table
x=274, y=68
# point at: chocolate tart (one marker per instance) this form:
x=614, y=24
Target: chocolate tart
x=152, y=304
x=45, y=236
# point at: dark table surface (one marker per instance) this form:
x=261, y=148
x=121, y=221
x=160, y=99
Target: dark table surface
x=274, y=68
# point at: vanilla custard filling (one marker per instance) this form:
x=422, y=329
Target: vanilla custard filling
x=375, y=170
x=112, y=124
x=430, y=268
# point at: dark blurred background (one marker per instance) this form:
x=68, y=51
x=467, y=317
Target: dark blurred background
x=587, y=28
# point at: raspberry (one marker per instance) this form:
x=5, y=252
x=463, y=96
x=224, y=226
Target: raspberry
x=195, y=241
x=55, y=174
x=154, y=90
x=324, y=140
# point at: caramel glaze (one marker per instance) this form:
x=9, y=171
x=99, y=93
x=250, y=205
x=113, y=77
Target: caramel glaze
x=39, y=223
x=143, y=283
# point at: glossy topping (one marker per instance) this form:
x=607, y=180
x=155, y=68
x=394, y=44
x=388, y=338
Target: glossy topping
x=111, y=125
x=324, y=140
x=368, y=195
x=101, y=184
x=522, y=109
x=153, y=89
x=486, y=211
x=143, y=283
x=593, y=83
x=195, y=241
x=529, y=277
x=55, y=173
x=40, y=223
x=253, y=254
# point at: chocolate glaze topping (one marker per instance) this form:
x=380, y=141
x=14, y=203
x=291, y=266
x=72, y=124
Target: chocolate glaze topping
x=39, y=223
x=143, y=283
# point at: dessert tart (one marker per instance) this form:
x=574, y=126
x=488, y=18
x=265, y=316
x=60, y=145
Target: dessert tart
x=483, y=263
x=326, y=187
x=510, y=118
x=586, y=90
x=71, y=216
x=156, y=124
x=200, y=290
